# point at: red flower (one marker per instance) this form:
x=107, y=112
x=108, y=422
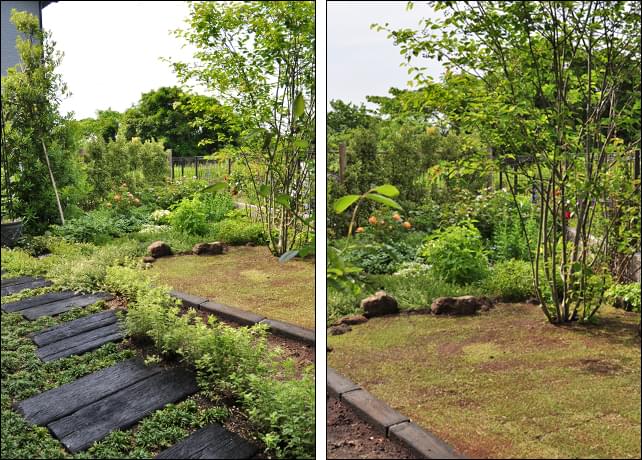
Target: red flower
x=567, y=214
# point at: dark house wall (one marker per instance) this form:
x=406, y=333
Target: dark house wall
x=8, y=36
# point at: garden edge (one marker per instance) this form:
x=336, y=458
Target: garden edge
x=281, y=328
x=386, y=420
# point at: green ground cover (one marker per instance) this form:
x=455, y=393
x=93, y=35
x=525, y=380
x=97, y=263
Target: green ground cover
x=249, y=278
x=254, y=385
x=506, y=384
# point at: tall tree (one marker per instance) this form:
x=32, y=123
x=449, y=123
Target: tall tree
x=259, y=58
x=557, y=94
x=33, y=132
x=189, y=125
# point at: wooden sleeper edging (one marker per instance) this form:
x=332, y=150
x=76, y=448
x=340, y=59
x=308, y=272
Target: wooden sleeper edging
x=291, y=331
x=386, y=420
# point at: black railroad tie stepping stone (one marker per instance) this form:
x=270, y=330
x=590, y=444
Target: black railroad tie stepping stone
x=67, y=399
x=71, y=328
x=37, y=301
x=77, y=337
x=8, y=289
x=212, y=441
x=18, y=280
x=61, y=306
x=122, y=409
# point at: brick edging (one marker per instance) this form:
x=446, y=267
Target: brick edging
x=288, y=330
x=386, y=420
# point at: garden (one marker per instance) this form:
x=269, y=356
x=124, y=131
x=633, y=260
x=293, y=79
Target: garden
x=484, y=231
x=96, y=206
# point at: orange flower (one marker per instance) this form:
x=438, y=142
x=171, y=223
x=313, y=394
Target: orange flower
x=372, y=220
x=360, y=230
x=117, y=197
x=396, y=217
x=407, y=225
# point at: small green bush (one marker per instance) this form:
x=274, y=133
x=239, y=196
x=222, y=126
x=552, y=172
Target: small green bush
x=193, y=216
x=189, y=217
x=626, y=296
x=239, y=231
x=456, y=254
x=510, y=281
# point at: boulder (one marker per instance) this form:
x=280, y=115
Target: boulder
x=353, y=319
x=379, y=304
x=465, y=305
x=208, y=248
x=149, y=259
x=340, y=329
x=159, y=249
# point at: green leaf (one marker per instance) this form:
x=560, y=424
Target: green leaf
x=215, y=188
x=344, y=203
x=264, y=190
x=283, y=200
x=387, y=190
x=383, y=200
x=299, y=106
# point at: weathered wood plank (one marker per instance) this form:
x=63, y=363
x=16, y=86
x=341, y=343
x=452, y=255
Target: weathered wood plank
x=212, y=441
x=72, y=328
x=37, y=301
x=55, y=308
x=18, y=280
x=67, y=399
x=14, y=289
x=81, y=343
x=122, y=409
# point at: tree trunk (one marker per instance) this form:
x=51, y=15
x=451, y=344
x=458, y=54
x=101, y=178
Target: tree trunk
x=53, y=182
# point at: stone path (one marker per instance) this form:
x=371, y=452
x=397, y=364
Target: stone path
x=14, y=285
x=88, y=409
x=212, y=441
x=77, y=337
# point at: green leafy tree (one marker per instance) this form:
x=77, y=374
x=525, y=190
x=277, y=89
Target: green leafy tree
x=39, y=169
x=189, y=125
x=259, y=58
x=554, y=88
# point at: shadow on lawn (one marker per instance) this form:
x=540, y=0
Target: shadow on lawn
x=620, y=328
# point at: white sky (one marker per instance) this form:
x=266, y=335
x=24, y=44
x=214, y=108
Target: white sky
x=363, y=62
x=112, y=50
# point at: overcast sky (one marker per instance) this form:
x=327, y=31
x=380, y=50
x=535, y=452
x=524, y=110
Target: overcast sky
x=361, y=61
x=112, y=50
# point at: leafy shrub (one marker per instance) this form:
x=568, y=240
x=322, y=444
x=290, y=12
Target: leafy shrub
x=626, y=296
x=189, y=217
x=101, y=225
x=193, y=215
x=456, y=254
x=239, y=231
x=282, y=410
x=119, y=161
x=379, y=258
x=510, y=281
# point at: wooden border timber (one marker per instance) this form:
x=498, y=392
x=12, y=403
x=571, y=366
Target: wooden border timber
x=247, y=318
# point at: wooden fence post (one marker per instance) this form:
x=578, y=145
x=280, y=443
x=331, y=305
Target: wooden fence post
x=343, y=161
